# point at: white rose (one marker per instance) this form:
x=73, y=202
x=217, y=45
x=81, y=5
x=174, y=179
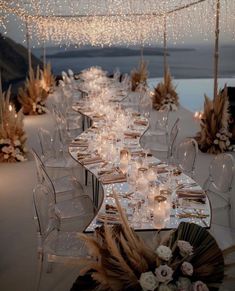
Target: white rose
x=5, y=149
x=17, y=142
x=183, y=284
x=164, y=253
x=148, y=281
x=6, y=156
x=187, y=268
x=199, y=286
x=185, y=248
x=216, y=141
x=164, y=273
x=20, y=158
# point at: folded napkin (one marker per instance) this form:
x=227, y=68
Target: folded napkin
x=135, y=114
x=83, y=155
x=110, y=218
x=161, y=170
x=191, y=194
x=140, y=122
x=90, y=161
x=113, y=178
x=140, y=154
x=104, y=172
x=131, y=134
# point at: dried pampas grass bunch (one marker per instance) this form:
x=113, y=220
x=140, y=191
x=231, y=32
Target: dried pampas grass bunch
x=214, y=136
x=12, y=135
x=47, y=79
x=165, y=96
x=139, y=76
x=121, y=261
x=32, y=97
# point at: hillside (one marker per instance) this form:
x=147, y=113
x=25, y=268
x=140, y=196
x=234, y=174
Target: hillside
x=14, y=61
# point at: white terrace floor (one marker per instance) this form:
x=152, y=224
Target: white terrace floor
x=18, y=260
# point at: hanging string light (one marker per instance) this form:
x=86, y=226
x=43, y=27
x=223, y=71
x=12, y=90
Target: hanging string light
x=118, y=22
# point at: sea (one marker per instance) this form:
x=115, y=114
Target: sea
x=190, y=69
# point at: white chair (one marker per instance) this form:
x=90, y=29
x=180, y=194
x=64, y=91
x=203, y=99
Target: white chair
x=54, y=246
x=219, y=182
x=186, y=155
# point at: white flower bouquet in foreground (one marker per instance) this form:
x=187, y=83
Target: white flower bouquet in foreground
x=12, y=135
x=186, y=259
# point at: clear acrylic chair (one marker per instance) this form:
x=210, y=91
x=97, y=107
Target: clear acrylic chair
x=220, y=180
x=54, y=245
x=54, y=156
x=186, y=155
x=70, y=212
x=164, y=148
x=65, y=186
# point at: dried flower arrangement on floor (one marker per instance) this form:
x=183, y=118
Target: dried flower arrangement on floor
x=139, y=76
x=165, y=96
x=12, y=135
x=187, y=258
x=214, y=136
x=32, y=97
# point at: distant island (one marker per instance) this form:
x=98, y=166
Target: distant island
x=113, y=52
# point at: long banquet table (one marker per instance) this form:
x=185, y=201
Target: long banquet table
x=81, y=150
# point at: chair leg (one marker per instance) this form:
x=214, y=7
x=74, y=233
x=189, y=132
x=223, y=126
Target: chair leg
x=48, y=265
x=86, y=177
x=39, y=271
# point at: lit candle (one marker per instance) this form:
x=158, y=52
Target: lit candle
x=153, y=192
x=167, y=204
x=159, y=214
x=151, y=174
x=125, y=157
x=142, y=181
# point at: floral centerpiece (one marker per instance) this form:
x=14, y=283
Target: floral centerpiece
x=47, y=79
x=32, y=97
x=165, y=96
x=12, y=135
x=214, y=136
x=187, y=258
x=139, y=76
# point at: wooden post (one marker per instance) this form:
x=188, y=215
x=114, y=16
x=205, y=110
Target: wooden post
x=165, y=51
x=216, y=49
x=28, y=45
x=44, y=54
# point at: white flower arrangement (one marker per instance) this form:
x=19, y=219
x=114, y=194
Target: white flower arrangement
x=165, y=96
x=182, y=261
x=12, y=135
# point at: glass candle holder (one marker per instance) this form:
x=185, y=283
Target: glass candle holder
x=125, y=157
x=152, y=193
x=167, y=194
x=142, y=181
x=159, y=213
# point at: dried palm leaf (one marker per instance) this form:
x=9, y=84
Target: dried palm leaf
x=214, y=136
x=165, y=96
x=139, y=76
x=12, y=135
x=120, y=257
x=47, y=78
x=32, y=97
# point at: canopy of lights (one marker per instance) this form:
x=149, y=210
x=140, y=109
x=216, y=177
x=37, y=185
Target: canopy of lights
x=114, y=22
